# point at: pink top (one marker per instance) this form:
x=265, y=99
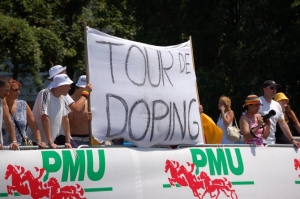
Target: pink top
x=259, y=134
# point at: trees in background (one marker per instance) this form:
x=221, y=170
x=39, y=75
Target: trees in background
x=237, y=44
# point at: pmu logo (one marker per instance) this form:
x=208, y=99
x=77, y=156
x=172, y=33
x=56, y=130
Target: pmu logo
x=200, y=182
x=25, y=183
x=44, y=183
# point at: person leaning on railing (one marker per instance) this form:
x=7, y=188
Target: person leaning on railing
x=289, y=117
x=21, y=115
x=269, y=88
x=251, y=123
x=4, y=114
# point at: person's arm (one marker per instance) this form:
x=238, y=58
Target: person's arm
x=9, y=125
x=227, y=119
x=286, y=130
x=78, y=105
x=244, y=128
x=200, y=109
x=66, y=128
x=294, y=119
x=46, y=127
x=267, y=129
x=34, y=127
x=297, y=127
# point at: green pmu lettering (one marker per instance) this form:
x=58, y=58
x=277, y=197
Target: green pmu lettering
x=199, y=159
x=219, y=162
x=52, y=162
x=47, y=156
x=239, y=169
x=71, y=167
x=95, y=175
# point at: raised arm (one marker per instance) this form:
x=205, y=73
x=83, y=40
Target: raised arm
x=78, y=105
x=227, y=119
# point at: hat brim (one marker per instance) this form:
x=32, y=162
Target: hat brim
x=275, y=85
x=68, y=82
x=252, y=103
x=61, y=70
x=81, y=85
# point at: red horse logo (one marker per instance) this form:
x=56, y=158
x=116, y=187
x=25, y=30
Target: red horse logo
x=25, y=183
x=183, y=177
x=297, y=164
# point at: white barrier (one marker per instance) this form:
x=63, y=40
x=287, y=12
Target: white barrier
x=197, y=172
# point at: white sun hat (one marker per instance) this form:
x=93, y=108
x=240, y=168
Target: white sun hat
x=55, y=70
x=81, y=81
x=60, y=80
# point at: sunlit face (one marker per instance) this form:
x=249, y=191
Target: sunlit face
x=4, y=90
x=65, y=89
x=253, y=108
x=283, y=104
x=221, y=103
x=14, y=90
x=270, y=91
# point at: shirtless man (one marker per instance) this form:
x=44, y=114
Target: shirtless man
x=79, y=121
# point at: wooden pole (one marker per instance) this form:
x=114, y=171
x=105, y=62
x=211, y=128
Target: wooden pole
x=196, y=87
x=88, y=80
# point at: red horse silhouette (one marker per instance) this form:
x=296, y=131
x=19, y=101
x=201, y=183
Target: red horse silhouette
x=26, y=184
x=297, y=165
x=66, y=192
x=180, y=175
x=35, y=184
x=217, y=185
x=173, y=166
x=16, y=173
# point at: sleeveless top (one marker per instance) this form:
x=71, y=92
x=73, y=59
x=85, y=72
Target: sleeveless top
x=224, y=130
x=280, y=136
x=20, y=117
x=259, y=134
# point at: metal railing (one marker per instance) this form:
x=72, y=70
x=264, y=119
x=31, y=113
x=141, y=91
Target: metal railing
x=239, y=143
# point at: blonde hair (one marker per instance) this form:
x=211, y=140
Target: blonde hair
x=227, y=102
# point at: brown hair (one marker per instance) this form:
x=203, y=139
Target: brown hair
x=227, y=102
x=290, y=115
x=12, y=81
x=3, y=81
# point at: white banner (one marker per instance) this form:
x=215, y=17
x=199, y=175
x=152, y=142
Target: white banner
x=143, y=93
x=139, y=173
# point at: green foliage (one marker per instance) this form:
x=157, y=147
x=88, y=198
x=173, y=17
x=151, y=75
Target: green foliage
x=20, y=46
x=237, y=44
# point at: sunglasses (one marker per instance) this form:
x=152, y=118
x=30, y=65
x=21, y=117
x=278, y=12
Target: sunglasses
x=16, y=90
x=273, y=87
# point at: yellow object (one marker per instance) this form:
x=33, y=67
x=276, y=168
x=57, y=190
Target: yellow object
x=280, y=96
x=212, y=133
x=94, y=141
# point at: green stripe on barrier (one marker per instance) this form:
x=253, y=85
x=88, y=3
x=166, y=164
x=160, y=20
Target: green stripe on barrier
x=98, y=189
x=243, y=183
